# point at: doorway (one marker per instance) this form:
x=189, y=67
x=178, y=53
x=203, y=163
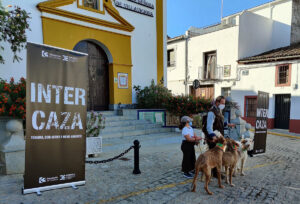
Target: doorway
x=282, y=111
x=98, y=75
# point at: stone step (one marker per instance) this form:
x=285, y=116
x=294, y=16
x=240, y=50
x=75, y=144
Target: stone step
x=108, y=113
x=130, y=127
x=135, y=132
x=115, y=118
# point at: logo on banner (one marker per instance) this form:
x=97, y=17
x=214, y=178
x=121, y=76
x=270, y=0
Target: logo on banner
x=42, y=180
x=45, y=54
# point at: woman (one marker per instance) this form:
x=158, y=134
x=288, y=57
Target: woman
x=189, y=139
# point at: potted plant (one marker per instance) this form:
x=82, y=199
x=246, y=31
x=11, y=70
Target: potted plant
x=94, y=124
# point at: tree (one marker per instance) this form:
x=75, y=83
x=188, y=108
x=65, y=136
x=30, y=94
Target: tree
x=13, y=24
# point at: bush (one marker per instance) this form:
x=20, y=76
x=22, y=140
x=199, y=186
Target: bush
x=94, y=123
x=159, y=97
x=13, y=98
x=152, y=97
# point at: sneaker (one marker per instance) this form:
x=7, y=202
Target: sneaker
x=188, y=175
x=192, y=172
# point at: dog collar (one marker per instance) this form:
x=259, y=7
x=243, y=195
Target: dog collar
x=244, y=150
x=234, y=147
x=221, y=146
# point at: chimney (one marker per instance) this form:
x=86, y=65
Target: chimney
x=295, y=30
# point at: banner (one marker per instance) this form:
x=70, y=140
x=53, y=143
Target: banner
x=261, y=124
x=56, y=104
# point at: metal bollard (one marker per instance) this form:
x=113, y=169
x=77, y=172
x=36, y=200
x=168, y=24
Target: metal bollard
x=137, y=146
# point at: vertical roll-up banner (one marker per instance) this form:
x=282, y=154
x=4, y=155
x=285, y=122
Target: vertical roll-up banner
x=261, y=124
x=56, y=103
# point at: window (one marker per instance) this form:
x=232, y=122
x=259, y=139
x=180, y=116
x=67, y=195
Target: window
x=210, y=66
x=93, y=4
x=171, y=58
x=226, y=91
x=283, y=75
x=250, y=106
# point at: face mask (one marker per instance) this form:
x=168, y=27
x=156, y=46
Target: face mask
x=221, y=106
x=190, y=123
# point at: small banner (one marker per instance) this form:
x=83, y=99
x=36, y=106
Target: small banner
x=261, y=124
x=56, y=104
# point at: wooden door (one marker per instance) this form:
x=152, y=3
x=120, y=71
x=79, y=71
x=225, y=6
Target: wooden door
x=206, y=91
x=282, y=111
x=98, y=93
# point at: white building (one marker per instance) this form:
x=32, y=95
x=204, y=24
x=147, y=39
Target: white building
x=126, y=37
x=210, y=54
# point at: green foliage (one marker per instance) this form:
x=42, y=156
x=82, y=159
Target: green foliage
x=187, y=105
x=94, y=123
x=152, y=96
x=197, y=121
x=159, y=97
x=13, y=24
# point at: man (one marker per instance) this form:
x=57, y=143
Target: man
x=215, y=121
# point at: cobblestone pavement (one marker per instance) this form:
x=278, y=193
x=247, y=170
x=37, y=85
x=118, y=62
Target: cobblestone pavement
x=273, y=177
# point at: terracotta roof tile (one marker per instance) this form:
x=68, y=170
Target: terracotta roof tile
x=284, y=53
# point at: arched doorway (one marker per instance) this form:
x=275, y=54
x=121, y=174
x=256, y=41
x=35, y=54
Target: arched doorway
x=98, y=94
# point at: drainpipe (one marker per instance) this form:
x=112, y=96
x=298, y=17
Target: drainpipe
x=186, y=62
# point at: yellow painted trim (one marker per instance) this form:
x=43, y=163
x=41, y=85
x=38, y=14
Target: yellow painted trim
x=90, y=9
x=172, y=185
x=55, y=33
x=50, y=7
x=56, y=3
x=160, y=39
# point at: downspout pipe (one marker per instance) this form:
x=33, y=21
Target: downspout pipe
x=186, y=62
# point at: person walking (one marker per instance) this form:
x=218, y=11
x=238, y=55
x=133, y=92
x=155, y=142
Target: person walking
x=215, y=121
x=189, y=139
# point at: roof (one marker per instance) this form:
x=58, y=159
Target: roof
x=291, y=52
x=181, y=37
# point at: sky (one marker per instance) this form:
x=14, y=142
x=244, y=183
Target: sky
x=181, y=14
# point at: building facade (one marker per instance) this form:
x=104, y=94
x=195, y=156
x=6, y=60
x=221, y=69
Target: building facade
x=211, y=55
x=125, y=40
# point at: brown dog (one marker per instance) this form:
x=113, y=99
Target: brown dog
x=209, y=160
x=230, y=159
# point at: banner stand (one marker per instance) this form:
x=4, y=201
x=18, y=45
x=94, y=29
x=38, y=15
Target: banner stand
x=46, y=188
x=56, y=104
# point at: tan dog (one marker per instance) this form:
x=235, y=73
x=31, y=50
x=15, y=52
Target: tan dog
x=230, y=159
x=209, y=160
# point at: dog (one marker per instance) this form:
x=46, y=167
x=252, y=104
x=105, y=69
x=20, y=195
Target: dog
x=209, y=160
x=230, y=159
x=244, y=146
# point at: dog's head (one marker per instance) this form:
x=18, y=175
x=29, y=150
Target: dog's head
x=246, y=143
x=222, y=143
x=232, y=145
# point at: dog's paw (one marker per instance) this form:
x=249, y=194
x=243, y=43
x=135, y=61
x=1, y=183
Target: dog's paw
x=210, y=193
x=232, y=185
x=221, y=186
x=243, y=174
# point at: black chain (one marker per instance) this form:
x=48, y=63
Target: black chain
x=111, y=159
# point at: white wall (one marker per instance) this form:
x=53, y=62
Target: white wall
x=176, y=74
x=258, y=34
x=143, y=46
x=18, y=69
x=262, y=78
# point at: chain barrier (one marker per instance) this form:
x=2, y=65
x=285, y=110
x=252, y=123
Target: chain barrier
x=111, y=159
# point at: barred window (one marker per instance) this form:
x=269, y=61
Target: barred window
x=283, y=75
x=251, y=104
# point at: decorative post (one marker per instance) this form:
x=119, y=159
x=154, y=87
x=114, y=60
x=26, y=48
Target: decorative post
x=137, y=146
